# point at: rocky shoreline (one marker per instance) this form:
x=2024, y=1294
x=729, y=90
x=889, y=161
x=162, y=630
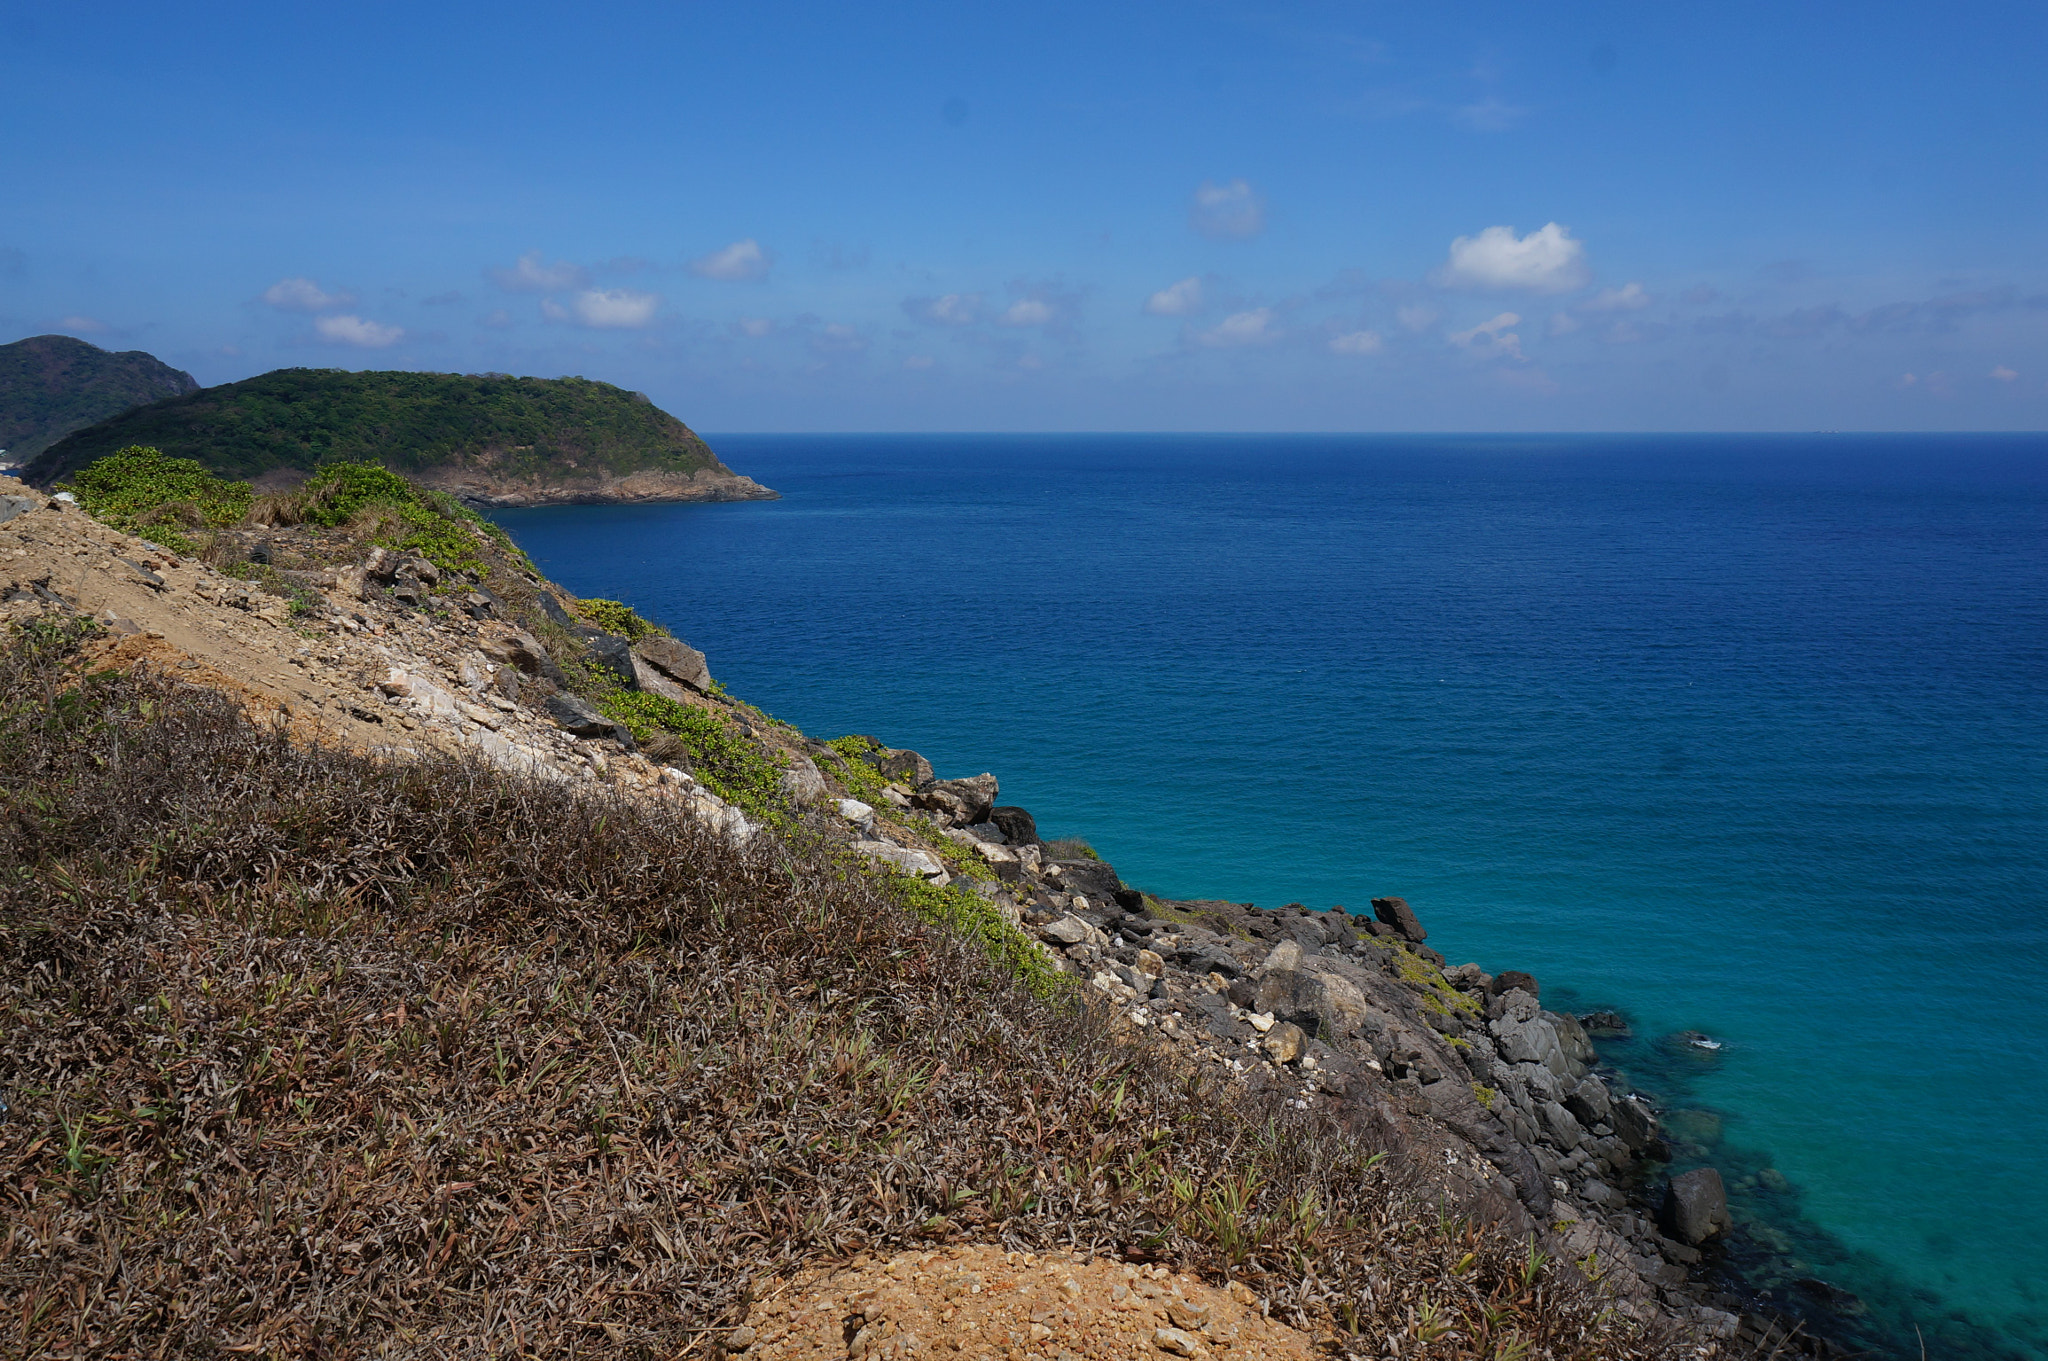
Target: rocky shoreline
x=1459, y=1071
x=1503, y=1105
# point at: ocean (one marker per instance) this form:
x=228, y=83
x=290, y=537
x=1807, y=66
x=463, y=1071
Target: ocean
x=1736, y=734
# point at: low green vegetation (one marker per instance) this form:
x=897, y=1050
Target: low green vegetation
x=719, y=754
x=976, y=919
x=143, y=491
x=393, y=511
x=856, y=770
x=1070, y=848
x=616, y=617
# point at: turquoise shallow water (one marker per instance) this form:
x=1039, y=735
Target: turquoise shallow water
x=1743, y=735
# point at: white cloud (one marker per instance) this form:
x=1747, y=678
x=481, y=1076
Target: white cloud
x=2004, y=374
x=1254, y=327
x=1176, y=300
x=1358, y=342
x=1492, y=339
x=1027, y=312
x=918, y=361
x=1417, y=318
x=953, y=309
x=607, y=309
x=1547, y=260
x=498, y=319
x=89, y=325
x=1230, y=211
x=754, y=328
x=303, y=295
x=531, y=276
x=353, y=330
x=1030, y=363
x=741, y=260
x=1564, y=323
x=1627, y=298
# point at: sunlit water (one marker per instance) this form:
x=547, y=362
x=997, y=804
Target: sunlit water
x=1744, y=735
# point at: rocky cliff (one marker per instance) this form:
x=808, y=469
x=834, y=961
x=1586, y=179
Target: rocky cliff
x=1495, y=1109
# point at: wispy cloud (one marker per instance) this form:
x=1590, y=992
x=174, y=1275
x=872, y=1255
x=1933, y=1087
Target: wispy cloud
x=1492, y=339
x=949, y=309
x=1628, y=298
x=1358, y=342
x=1027, y=312
x=742, y=260
x=1547, y=260
x=754, y=328
x=529, y=275
x=2004, y=374
x=1183, y=299
x=353, y=330
x=83, y=325
x=1231, y=211
x=303, y=295
x=1252, y=327
x=605, y=309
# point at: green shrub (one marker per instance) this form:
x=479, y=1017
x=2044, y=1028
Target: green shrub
x=977, y=919
x=615, y=616
x=729, y=765
x=857, y=772
x=403, y=514
x=140, y=490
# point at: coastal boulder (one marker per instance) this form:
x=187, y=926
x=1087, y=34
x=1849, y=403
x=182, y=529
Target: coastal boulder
x=1095, y=880
x=513, y=647
x=1327, y=1005
x=1633, y=1122
x=1019, y=828
x=1530, y=1041
x=901, y=763
x=1695, y=1207
x=614, y=654
x=573, y=715
x=801, y=782
x=1401, y=918
x=1590, y=1102
x=958, y=801
x=674, y=659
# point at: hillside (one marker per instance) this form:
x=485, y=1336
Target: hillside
x=489, y=439
x=53, y=385
x=396, y=949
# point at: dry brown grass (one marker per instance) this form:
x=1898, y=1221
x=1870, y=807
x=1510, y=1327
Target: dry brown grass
x=307, y=1055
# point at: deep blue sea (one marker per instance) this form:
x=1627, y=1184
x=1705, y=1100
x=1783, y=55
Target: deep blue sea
x=1747, y=735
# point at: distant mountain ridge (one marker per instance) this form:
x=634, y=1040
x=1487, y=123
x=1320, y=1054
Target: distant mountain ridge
x=53, y=385
x=490, y=439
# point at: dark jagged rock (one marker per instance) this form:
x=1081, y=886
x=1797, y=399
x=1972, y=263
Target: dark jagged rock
x=1399, y=917
x=676, y=660
x=901, y=763
x=1509, y=979
x=959, y=802
x=1695, y=1207
x=1019, y=827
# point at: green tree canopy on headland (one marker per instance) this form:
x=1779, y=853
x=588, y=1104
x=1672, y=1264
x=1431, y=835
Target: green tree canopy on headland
x=307, y=418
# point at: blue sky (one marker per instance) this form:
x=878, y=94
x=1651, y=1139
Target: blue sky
x=1197, y=216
